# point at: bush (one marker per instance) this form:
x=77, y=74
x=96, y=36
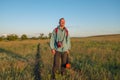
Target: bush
x=24, y=37
x=12, y=37
x=1, y=38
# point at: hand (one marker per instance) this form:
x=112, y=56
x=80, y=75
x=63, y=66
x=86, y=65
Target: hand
x=67, y=51
x=53, y=51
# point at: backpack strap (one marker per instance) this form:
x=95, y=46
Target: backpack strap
x=56, y=30
x=66, y=31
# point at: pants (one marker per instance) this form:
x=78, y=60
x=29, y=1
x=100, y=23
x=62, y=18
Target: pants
x=59, y=57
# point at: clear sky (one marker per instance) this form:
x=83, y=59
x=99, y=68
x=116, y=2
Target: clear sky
x=83, y=17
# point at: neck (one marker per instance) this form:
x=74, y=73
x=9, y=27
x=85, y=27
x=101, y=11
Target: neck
x=61, y=27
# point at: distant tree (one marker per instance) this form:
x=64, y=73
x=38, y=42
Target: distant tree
x=41, y=35
x=24, y=37
x=2, y=38
x=49, y=35
x=45, y=37
x=12, y=37
x=34, y=38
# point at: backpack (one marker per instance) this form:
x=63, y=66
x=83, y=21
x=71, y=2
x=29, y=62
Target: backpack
x=66, y=31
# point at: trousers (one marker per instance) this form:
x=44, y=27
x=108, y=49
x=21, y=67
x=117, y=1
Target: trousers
x=59, y=64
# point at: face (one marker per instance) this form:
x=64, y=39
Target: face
x=62, y=22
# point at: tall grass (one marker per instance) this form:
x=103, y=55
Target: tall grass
x=91, y=59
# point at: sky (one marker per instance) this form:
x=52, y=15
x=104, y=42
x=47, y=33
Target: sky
x=83, y=17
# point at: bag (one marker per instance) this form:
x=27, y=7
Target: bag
x=68, y=65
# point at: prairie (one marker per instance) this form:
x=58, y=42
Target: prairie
x=92, y=58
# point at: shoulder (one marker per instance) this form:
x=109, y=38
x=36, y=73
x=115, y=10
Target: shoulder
x=66, y=29
x=55, y=30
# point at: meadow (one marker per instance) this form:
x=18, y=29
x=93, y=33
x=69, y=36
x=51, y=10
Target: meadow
x=92, y=58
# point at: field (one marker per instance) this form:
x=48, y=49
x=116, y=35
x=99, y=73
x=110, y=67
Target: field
x=92, y=58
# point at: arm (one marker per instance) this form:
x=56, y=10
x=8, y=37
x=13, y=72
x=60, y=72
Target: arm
x=52, y=41
x=68, y=43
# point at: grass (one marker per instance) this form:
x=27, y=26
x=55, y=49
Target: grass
x=92, y=58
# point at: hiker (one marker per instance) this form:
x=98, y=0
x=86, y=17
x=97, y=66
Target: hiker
x=60, y=47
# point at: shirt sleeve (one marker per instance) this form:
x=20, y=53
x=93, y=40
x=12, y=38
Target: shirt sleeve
x=68, y=42
x=52, y=40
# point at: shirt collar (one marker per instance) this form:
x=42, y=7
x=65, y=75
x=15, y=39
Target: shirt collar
x=60, y=28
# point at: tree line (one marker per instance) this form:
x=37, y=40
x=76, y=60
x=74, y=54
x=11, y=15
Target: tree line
x=13, y=37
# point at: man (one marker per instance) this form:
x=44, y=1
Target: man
x=60, y=46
